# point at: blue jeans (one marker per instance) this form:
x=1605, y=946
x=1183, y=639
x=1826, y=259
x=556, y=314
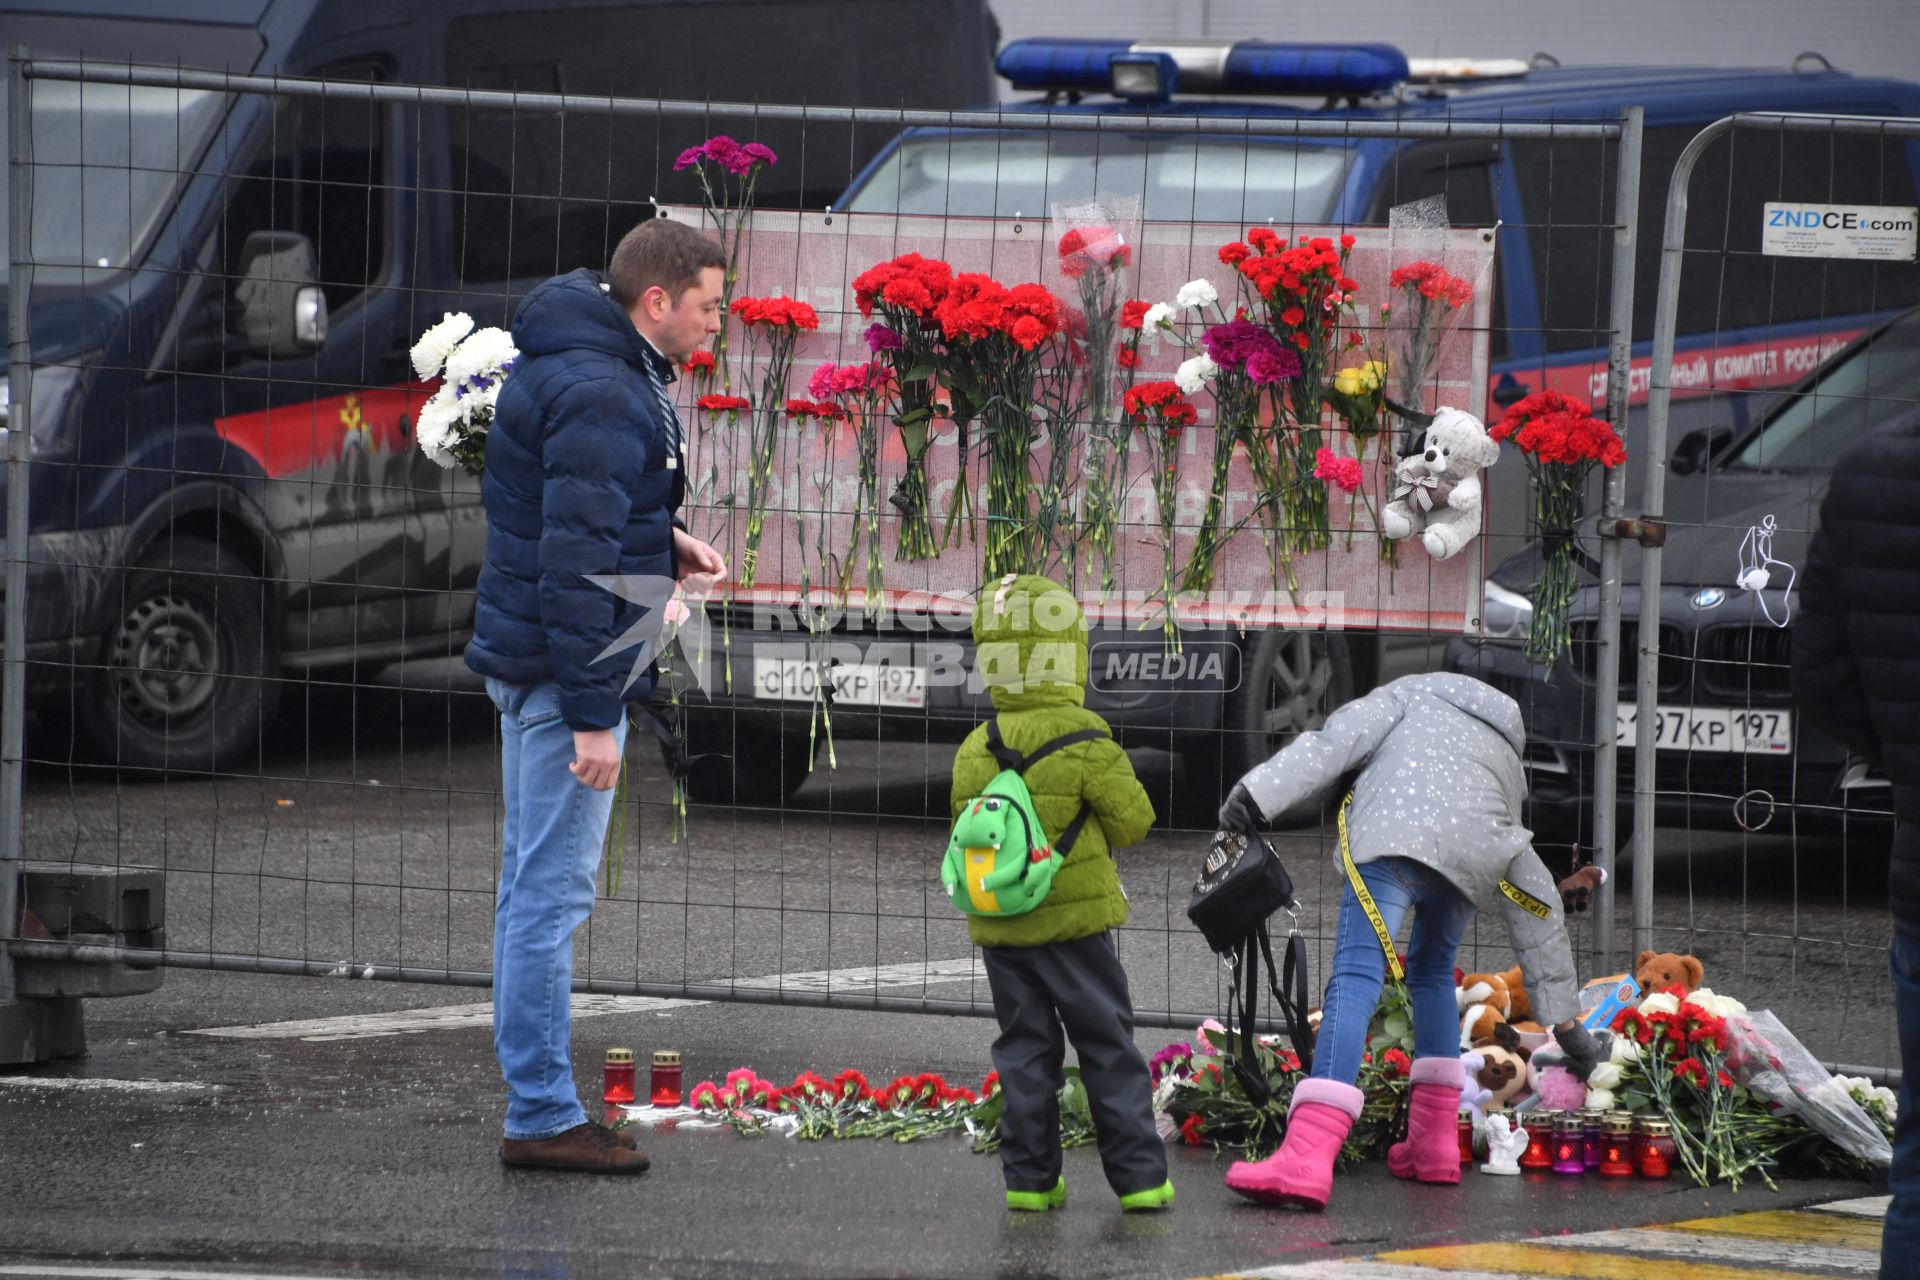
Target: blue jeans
x=550, y=851
x=1441, y=914
x=1901, y=1236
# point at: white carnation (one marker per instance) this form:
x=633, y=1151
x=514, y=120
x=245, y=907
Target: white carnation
x=1158, y=314
x=1195, y=294
x=1194, y=374
x=487, y=353
x=437, y=343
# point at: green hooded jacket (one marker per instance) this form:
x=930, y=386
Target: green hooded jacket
x=1030, y=642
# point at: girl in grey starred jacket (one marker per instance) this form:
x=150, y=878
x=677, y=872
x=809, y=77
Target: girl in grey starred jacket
x=1433, y=827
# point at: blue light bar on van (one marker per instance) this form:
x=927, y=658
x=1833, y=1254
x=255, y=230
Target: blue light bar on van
x=1156, y=69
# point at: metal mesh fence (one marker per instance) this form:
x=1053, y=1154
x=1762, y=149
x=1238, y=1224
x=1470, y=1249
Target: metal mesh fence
x=238, y=617
x=1784, y=333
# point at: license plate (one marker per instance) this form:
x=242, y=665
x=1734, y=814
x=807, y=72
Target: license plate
x=1725, y=729
x=859, y=684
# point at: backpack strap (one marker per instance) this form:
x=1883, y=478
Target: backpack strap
x=1007, y=758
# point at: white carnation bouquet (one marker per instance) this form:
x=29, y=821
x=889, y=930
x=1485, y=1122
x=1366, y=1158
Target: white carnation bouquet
x=472, y=365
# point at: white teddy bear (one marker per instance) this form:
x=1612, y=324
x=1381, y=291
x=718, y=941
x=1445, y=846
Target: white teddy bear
x=1437, y=491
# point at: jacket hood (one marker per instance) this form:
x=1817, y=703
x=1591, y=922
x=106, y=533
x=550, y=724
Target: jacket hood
x=1476, y=698
x=1030, y=643
x=573, y=313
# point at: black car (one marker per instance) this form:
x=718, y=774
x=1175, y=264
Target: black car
x=1732, y=753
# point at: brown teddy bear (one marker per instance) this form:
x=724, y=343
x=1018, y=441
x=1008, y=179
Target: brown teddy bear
x=1656, y=971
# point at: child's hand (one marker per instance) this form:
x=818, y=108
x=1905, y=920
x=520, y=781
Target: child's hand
x=1581, y=1053
x=1240, y=812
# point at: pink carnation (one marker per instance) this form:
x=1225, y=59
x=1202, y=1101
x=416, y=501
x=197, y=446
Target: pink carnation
x=1337, y=470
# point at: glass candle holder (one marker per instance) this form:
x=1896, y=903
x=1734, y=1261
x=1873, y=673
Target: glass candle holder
x=1616, y=1149
x=618, y=1076
x=1592, y=1120
x=1540, y=1135
x=1463, y=1125
x=1657, y=1150
x=663, y=1086
x=1569, y=1145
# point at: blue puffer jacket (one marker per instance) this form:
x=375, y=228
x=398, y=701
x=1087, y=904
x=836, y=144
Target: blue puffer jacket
x=577, y=483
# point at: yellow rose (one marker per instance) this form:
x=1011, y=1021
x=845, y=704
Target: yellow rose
x=1347, y=382
x=1374, y=374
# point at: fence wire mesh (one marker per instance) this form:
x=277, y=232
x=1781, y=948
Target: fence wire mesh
x=1774, y=349
x=246, y=592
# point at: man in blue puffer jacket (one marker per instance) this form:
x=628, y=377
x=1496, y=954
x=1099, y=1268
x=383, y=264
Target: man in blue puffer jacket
x=585, y=470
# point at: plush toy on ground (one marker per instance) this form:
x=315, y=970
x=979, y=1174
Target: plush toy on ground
x=1505, y=1074
x=1437, y=492
x=1660, y=970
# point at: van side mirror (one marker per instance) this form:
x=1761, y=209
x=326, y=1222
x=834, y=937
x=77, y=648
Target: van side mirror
x=281, y=313
x=1696, y=449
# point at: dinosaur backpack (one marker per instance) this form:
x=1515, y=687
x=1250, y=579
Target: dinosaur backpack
x=999, y=861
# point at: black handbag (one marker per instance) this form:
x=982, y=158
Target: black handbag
x=1242, y=883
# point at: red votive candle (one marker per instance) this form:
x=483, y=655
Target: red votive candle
x=663, y=1088
x=618, y=1076
x=1539, y=1152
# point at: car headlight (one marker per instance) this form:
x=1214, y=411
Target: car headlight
x=1504, y=614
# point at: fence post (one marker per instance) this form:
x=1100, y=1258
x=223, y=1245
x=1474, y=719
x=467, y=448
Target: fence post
x=1606, y=702
x=1673, y=247
x=13, y=671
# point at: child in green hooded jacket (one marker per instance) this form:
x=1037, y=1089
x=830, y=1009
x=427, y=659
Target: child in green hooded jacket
x=1054, y=971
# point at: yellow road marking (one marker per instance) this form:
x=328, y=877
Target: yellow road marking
x=1546, y=1261
x=1787, y=1224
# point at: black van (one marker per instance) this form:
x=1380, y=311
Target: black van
x=224, y=491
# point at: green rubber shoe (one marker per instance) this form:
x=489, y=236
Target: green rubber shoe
x=1149, y=1201
x=1041, y=1201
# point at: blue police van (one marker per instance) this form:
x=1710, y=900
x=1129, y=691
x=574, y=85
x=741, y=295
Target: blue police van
x=1752, y=333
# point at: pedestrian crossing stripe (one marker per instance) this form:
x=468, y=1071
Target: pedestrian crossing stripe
x=1833, y=1240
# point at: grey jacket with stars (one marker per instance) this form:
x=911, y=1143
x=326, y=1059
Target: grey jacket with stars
x=1439, y=782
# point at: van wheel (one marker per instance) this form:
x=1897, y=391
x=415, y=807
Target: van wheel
x=1291, y=681
x=742, y=764
x=188, y=676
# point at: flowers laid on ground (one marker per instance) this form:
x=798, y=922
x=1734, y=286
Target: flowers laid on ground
x=905, y=1109
x=728, y=171
x=1563, y=443
x=472, y=365
x=1743, y=1096
x=774, y=326
x=905, y=292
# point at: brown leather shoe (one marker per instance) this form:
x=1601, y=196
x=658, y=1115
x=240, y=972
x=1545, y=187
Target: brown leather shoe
x=585, y=1148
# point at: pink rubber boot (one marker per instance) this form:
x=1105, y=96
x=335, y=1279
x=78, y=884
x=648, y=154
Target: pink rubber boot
x=1431, y=1152
x=1301, y=1171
